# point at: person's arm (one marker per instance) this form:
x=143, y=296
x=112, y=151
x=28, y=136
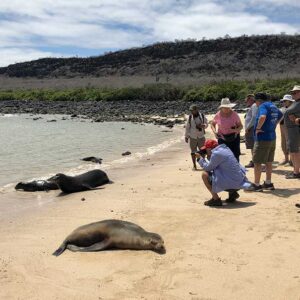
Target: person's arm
x=238, y=124
x=213, y=124
x=280, y=117
x=205, y=125
x=187, y=131
x=212, y=164
x=260, y=124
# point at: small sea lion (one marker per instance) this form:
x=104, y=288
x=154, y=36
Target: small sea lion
x=93, y=159
x=126, y=153
x=37, y=185
x=83, y=182
x=111, y=234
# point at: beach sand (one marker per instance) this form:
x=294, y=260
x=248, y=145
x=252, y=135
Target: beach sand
x=247, y=250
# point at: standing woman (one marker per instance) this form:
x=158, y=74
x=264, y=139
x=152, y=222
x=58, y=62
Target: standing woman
x=227, y=126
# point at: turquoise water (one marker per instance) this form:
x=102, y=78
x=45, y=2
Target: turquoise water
x=37, y=149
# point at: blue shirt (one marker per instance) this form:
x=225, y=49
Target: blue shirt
x=227, y=173
x=273, y=115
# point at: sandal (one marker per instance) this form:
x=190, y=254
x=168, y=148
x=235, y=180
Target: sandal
x=214, y=202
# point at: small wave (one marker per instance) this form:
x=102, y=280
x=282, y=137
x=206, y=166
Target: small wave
x=7, y=115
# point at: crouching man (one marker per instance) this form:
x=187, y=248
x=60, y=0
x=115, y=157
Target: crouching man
x=222, y=172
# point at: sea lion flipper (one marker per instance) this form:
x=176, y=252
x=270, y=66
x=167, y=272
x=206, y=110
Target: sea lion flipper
x=60, y=250
x=87, y=186
x=95, y=247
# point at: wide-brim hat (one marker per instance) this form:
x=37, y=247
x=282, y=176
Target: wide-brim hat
x=225, y=102
x=296, y=88
x=194, y=107
x=287, y=98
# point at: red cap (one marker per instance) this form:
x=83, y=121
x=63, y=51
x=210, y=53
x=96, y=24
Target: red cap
x=209, y=144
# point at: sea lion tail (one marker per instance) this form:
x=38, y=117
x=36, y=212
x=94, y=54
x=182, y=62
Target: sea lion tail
x=60, y=250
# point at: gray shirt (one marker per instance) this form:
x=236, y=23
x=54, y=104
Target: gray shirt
x=294, y=109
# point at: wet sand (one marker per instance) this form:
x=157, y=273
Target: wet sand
x=247, y=250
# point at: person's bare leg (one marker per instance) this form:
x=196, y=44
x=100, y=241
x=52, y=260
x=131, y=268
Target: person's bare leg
x=257, y=173
x=205, y=178
x=269, y=172
x=194, y=161
x=296, y=163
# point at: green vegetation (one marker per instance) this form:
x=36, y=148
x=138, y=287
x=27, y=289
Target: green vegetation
x=159, y=92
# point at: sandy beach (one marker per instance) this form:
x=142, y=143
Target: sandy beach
x=247, y=250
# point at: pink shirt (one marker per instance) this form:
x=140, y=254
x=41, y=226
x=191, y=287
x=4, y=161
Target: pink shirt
x=225, y=123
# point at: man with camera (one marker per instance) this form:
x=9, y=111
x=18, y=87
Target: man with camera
x=222, y=172
x=195, y=131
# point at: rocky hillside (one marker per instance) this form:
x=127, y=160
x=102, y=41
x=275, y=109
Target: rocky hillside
x=232, y=57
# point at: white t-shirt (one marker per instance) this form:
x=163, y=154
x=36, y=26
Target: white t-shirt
x=191, y=130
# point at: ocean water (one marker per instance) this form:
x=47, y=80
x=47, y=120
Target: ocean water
x=38, y=149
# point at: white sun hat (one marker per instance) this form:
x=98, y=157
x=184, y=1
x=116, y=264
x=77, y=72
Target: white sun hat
x=225, y=102
x=287, y=98
x=295, y=88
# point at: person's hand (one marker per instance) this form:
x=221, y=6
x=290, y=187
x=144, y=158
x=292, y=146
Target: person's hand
x=186, y=139
x=197, y=155
x=297, y=121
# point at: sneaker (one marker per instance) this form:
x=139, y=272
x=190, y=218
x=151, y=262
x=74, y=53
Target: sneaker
x=292, y=176
x=213, y=202
x=250, y=165
x=232, y=197
x=268, y=186
x=254, y=188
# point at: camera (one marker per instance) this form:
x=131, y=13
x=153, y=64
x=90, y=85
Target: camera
x=201, y=152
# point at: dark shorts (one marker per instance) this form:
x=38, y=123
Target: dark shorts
x=293, y=140
x=264, y=151
x=249, y=138
x=234, y=146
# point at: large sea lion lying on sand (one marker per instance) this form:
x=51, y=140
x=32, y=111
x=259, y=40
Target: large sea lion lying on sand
x=83, y=182
x=37, y=185
x=110, y=234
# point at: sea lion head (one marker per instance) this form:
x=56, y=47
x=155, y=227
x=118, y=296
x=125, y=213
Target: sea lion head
x=157, y=243
x=57, y=178
x=20, y=186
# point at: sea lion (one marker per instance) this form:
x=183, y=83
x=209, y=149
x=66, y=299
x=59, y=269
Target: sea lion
x=93, y=159
x=83, y=182
x=37, y=185
x=111, y=234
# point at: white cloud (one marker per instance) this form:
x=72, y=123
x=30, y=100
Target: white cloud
x=16, y=55
x=100, y=24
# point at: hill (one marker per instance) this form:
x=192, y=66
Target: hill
x=186, y=62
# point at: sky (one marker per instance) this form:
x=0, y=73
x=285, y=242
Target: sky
x=33, y=29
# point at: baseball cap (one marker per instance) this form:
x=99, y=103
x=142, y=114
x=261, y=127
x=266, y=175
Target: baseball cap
x=209, y=144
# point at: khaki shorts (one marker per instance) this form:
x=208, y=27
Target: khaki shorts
x=264, y=151
x=196, y=144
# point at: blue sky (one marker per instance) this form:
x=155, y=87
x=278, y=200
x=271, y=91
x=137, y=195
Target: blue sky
x=34, y=29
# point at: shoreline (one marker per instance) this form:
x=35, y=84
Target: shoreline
x=239, y=251
x=166, y=113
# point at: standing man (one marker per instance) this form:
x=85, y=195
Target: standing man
x=268, y=117
x=290, y=119
x=249, y=125
x=195, y=131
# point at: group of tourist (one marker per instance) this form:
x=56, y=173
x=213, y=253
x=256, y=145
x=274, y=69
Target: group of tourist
x=220, y=158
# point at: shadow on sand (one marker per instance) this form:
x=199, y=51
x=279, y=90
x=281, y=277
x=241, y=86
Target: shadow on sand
x=236, y=205
x=62, y=194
